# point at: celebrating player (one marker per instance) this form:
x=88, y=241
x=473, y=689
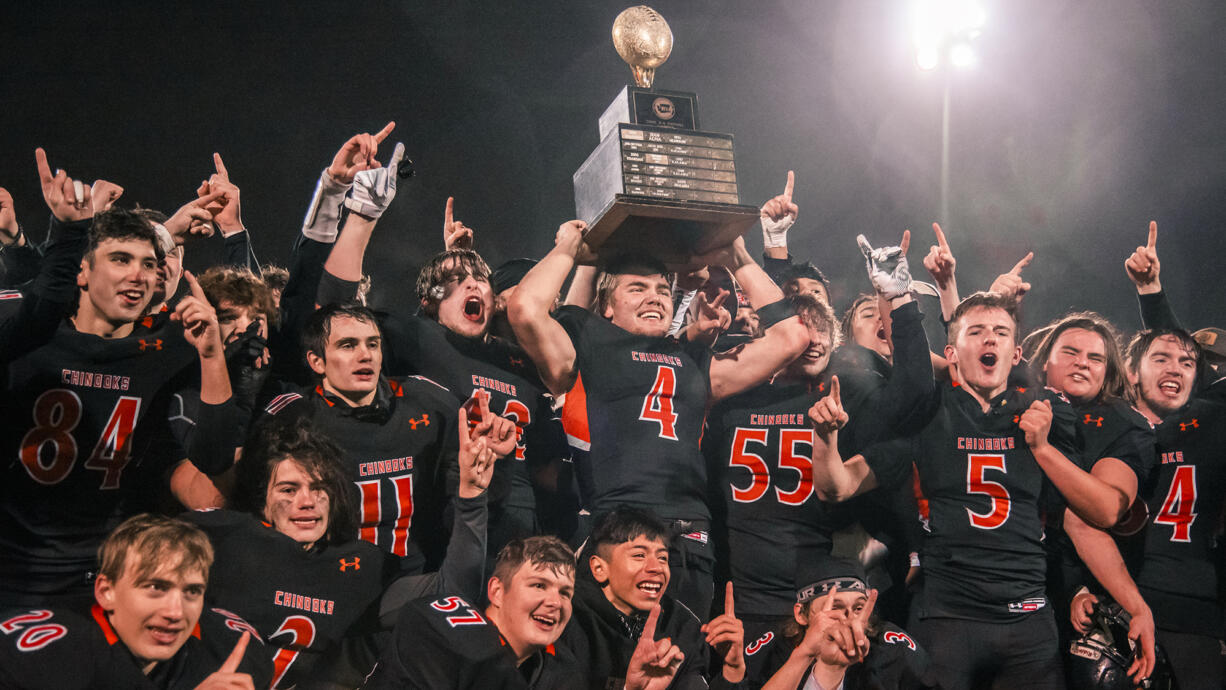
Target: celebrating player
x=448, y=643
x=636, y=399
x=147, y=628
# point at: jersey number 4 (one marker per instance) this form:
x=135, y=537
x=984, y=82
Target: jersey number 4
x=1179, y=506
x=49, y=450
x=788, y=457
x=998, y=495
x=658, y=405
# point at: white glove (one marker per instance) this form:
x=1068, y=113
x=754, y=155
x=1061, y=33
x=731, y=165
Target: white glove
x=887, y=269
x=374, y=189
x=775, y=232
x=323, y=217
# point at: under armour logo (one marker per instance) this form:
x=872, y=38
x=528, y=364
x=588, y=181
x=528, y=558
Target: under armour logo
x=1017, y=419
x=1183, y=426
x=346, y=565
x=147, y=322
x=517, y=362
x=1092, y=420
x=425, y=419
x=146, y=344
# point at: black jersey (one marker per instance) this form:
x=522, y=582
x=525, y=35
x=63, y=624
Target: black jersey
x=397, y=451
x=87, y=423
x=983, y=556
x=303, y=601
x=604, y=638
x=60, y=649
x=446, y=642
x=1185, y=501
x=883, y=400
x=501, y=368
x=636, y=414
x=760, y=450
x=1117, y=430
x=895, y=661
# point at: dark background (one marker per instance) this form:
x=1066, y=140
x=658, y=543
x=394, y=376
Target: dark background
x=1083, y=120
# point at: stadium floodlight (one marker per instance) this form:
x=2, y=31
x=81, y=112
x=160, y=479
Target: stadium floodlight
x=942, y=31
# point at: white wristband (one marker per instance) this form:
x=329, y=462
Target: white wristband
x=775, y=232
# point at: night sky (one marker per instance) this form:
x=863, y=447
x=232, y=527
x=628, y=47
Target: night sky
x=1083, y=120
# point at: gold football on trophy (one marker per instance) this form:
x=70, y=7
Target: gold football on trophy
x=643, y=39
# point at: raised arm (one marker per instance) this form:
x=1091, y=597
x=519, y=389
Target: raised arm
x=1143, y=270
x=373, y=191
x=942, y=265
x=784, y=335
x=778, y=215
x=834, y=480
x=539, y=334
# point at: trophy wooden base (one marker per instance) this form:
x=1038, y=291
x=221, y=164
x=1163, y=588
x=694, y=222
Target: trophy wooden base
x=670, y=230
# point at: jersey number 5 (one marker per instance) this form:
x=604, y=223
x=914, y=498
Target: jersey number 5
x=998, y=495
x=1179, y=506
x=56, y=415
x=658, y=405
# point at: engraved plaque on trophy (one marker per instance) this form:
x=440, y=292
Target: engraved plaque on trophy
x=656, y=182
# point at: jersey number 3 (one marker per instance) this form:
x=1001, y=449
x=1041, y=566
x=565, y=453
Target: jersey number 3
x=658, y=405
x=998, y=495
x=56, y=415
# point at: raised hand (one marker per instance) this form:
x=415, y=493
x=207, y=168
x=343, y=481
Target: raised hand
x=375, y=187
x=69, y=200
x=193, y=218
x=199, y=320
x=778, y=214
x=358, y=154
x=456, y=235
x=1143, y=267
x=710, y=318
x=10, y=231
x=1036, y=423
x=104, y=195
x=570, y=237
x=858, y=624
x=887, y=266
x=654, y=662
x=823, y=627
x=227, y=676
x=500, y=433
x=476, y=459
x=226, y=210
x=1011, y=284
x=726, y=634
x=940, y=260
x=827, y=415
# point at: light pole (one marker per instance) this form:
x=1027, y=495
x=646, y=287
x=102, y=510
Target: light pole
x=943, y=31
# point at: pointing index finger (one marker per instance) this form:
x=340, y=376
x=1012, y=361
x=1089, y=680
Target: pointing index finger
x=1017, y=269
x=941, y=242
x=197, y=291
x=1153, y=233
x=236, y=656
x=791, y=184
x=387, y=129
x=44, y=170
x=448, y=213
x=834, y=390
x=729, y=602
x=906, y=242
x=649, y=628
x=221, y=167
